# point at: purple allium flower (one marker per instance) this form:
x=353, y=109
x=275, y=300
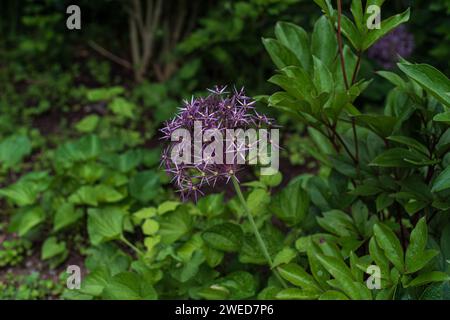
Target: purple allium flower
x=219, y=111
x=399, y=42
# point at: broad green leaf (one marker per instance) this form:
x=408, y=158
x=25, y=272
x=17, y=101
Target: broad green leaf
x=225, y=237
x=333, y=295
x=337, y=222
x=351, y=32
x=443, y=117
x=128, y=286
x=88, y=123
x=105, y=224
x=398, y=157
x=433, y=276
x=52, y=248
x=291, y=203
x=174, y=225
x=430, y=79
x=103, y=94
x=286, y=255
x=150, y=227
x=410, y=142
x=358, y=14
x=167, y=206
x=296, y=39
x=386, y=26
x=122, y=107
x=27, y=189
x=144, y=185
x=280, y=54
x=257, y=201
x=336, y=267
x=26, y=220
x=416, y=256
x=272, y=180
x=297, y=294
x=323, y=41
x=296, y=275
x=388, y=241
x=66, y=215
x=442, y=181
x=13, y=149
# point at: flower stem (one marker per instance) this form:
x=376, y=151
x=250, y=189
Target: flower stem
x=260, y=240
x=128, y=243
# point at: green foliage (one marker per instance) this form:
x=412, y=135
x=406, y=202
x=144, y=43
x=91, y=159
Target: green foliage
x=79, y=159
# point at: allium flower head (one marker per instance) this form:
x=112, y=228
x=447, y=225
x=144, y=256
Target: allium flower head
x=399, y=42
x=219, y=111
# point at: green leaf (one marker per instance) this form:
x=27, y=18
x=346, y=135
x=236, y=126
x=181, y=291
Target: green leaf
x=105, y=224
x=335, y=266
x=390, y=244
x=26, y=220
x=296, y=275
x=297, y=294
x=442, y=181
x=144, y=185
x=398, y=157
x=240, y=284
x=175, y=225
x=88, y=123
x=333, y=295
x=443, y=117
x=433, y=276
x=337, y=222
x=225, y=237
x=358, y=14
x=386, y=26
x=323, y=41
x=26, y=191
x=13, y=149
x=296, y=39
x=393, y=78
x=122, y=107
x=291, y=204
x=257, y=201
x=430, y=79
x=416, y=257
x=351, y=32
x=52, y=248
x=211, y=205
x=286, y=255
x=380, y=124
x=128, y=286
x=65, y=216
x=103, y=94
x=280, y=54
x=167, y=206
x=150, y=227
x=410, y=142
x=272, y=180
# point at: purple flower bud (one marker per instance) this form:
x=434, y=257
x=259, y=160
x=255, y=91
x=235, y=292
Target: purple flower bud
x=217, y=112
x=399, y=42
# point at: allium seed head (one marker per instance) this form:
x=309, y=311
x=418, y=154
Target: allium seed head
x=219, y=111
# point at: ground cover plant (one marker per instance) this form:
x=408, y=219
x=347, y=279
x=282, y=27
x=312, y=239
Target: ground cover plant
x=358, y=210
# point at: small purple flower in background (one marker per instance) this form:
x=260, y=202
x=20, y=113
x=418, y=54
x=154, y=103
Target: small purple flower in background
x=219, y=111
x=399, y=42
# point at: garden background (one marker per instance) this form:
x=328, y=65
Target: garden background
x=80, y=151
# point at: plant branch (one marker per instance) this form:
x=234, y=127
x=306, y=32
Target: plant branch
x=339, y=38
x=111, y=56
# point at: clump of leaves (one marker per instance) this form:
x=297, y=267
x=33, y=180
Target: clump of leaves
x=387, y=184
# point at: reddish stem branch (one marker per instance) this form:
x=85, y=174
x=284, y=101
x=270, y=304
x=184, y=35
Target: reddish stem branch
x=339, y=38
